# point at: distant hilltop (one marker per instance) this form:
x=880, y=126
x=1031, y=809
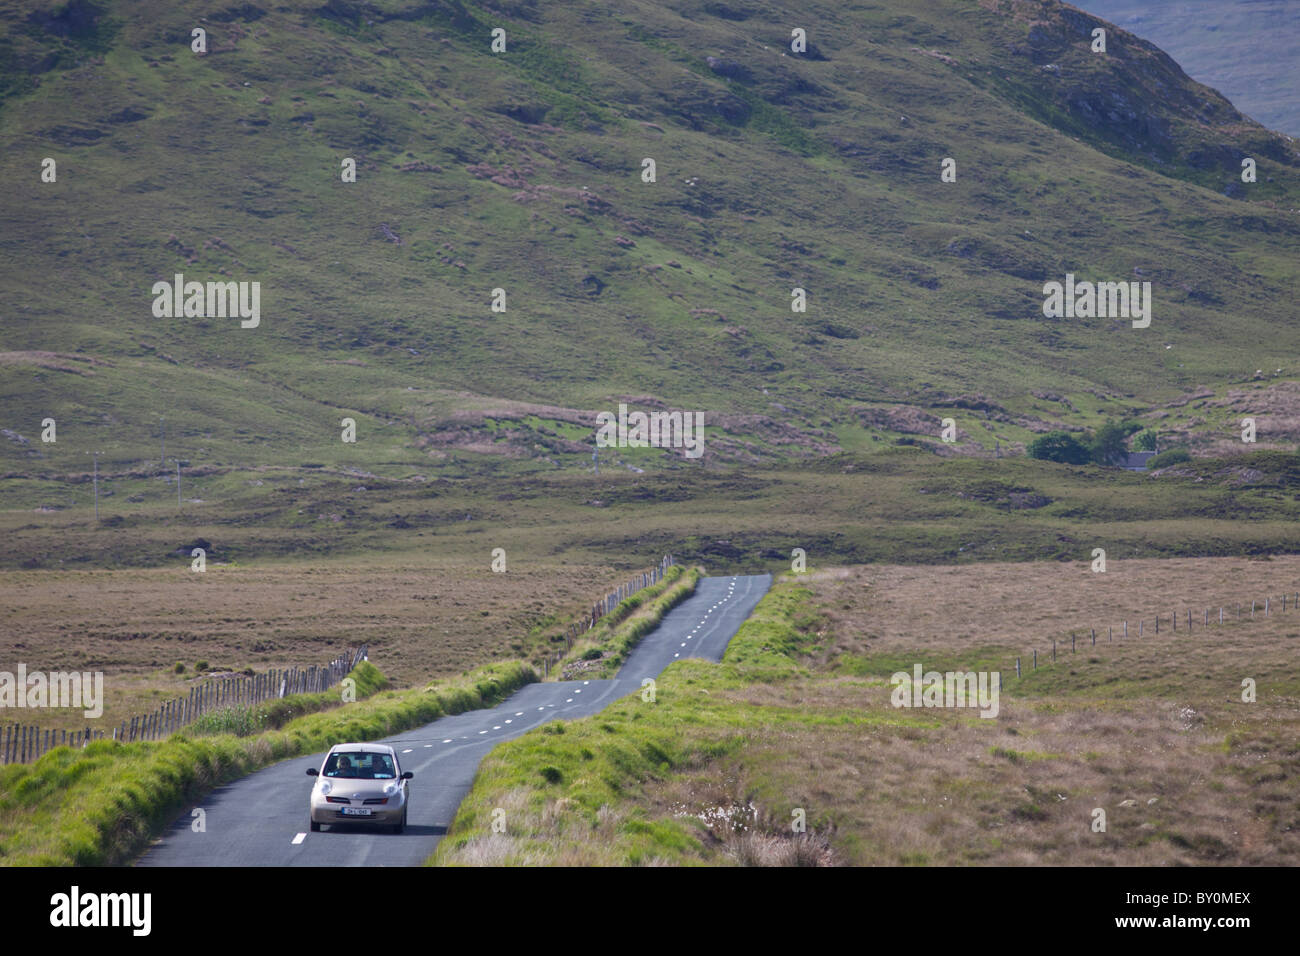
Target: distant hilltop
x=1248, y=50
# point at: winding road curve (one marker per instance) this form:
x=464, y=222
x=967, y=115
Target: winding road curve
x=261, y=819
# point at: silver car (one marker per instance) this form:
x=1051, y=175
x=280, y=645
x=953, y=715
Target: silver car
x=360, y=783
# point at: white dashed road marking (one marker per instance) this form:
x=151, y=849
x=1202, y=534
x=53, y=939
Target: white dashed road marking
x=299, y=838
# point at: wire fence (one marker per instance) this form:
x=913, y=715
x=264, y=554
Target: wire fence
x=23, y=744
x=605, y=606
x=1205, y=618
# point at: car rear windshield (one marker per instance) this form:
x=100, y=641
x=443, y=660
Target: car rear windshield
x=361, y=766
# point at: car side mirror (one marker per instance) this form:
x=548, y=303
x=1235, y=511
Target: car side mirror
x=408, y=775
x=313, y=772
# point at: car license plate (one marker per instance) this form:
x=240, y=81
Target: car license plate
x=357, y=811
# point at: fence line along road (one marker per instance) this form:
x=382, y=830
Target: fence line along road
x=607, y=604
x=23, y=744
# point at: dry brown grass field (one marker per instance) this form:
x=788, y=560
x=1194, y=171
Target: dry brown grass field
x=422, y=616
x=1025, y=605
x=1152, y=731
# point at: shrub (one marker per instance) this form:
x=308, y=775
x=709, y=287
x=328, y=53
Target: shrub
x=1107, y=446
x=1173, y=456
x=1060, y=446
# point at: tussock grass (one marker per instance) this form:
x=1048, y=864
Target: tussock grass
x=101, y=805
x=275, y=713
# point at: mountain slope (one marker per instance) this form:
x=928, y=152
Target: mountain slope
x=522, y=171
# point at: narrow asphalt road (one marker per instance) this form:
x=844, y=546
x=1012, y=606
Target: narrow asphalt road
x=261, y=819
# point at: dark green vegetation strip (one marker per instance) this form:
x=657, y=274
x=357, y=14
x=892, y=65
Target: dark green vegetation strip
x=102, y=805
x=907, y=506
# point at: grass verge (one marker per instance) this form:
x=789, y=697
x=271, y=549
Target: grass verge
x=601, y=651
x=102, y=805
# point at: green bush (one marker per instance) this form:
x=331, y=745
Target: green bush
x=1060, y=446
x=1173, y=456
x=1108, y=445
x=1145, y=441
x=239, y=721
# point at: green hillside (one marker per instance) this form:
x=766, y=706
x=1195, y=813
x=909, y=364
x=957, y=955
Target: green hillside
x=522, y=170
